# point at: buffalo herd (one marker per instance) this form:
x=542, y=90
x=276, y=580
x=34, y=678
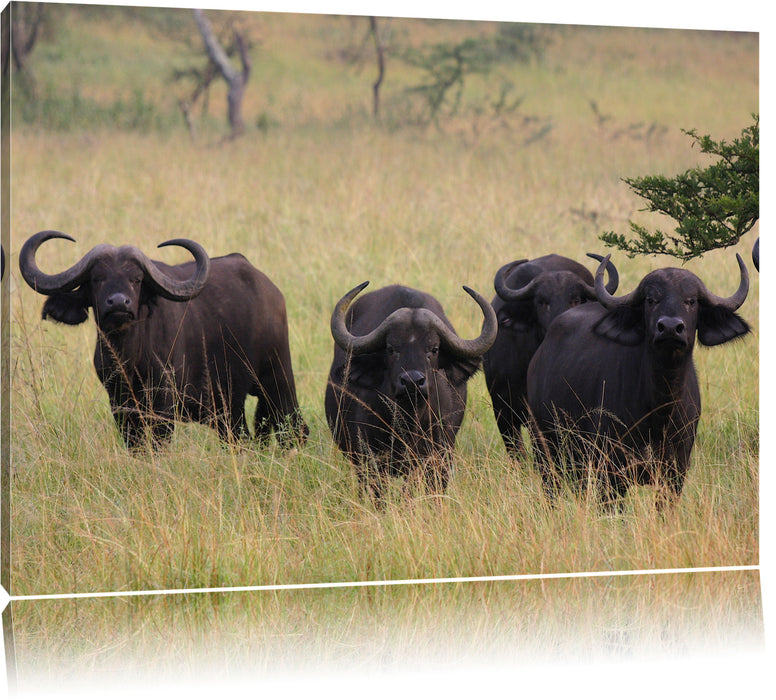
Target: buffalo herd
x=604, y=385
x=613, y=390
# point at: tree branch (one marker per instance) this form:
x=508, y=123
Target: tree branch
x=214, y=49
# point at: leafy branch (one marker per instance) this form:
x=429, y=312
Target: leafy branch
x=714, y=206
x=446, y=66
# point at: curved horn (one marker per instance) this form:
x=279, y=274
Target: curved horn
x=65, y=281
x=477, y=346
x=511, y=293
x=614, y=276
x=604, y=296
x=373, y=341
x=356, y=345
x=173, y=289
x=756, y=254
x=739, y=296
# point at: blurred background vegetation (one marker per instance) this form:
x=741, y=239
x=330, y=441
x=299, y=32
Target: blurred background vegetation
x=131, y=68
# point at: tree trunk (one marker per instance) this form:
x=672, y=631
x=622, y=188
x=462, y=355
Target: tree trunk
x=237, y=80
x=20, y=34
x=380, y=66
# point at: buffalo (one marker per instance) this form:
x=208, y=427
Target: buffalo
x=529, y=295
x=613, y=390
x=178, y=342
x=396, y=392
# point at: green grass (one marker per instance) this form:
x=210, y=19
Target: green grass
x=320, y=202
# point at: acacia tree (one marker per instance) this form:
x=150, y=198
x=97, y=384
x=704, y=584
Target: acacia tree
x=713, y=206
x=445, y=67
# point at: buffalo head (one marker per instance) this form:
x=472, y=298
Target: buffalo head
x=546, y=292
x=666, y=310
x=115, y=282
x=410, y=340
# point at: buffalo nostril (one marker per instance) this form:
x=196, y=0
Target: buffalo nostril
x=118, y=300
x=670, y=326
x=412, y=380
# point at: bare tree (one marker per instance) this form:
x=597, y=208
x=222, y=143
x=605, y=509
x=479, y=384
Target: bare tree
x=26, y=23
x=380, y=49
x=237, y=80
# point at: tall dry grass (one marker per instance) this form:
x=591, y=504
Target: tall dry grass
x=555, y=626
x=321, y=203
x=382, y=223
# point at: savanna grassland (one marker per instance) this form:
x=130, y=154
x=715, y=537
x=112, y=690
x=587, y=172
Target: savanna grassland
x=321, y=196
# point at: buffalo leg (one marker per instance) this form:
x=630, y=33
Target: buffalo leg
x=136, y=429
x=264, y=421
x=613, y=471
x=437, y=474
x=232, y=426
x=161, y=432
x=510, y=422
x=278, y=408
x=670, y=487
x=370, y=481
x=611, y=492
x=130, y=428
x=545, y=455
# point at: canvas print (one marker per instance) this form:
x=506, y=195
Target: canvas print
x=352, y=342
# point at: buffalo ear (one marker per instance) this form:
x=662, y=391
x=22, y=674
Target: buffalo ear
x=518, y=316
x=365, y=371
x=458, y=370
x=717, y=325
x=623, y=325
x=67, y=307
x=148, y=298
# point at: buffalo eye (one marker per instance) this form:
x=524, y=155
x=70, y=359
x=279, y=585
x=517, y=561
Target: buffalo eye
x=690, y=303
x=433, y=352
x=650, y=301
x=390, y=350
x=575, y=301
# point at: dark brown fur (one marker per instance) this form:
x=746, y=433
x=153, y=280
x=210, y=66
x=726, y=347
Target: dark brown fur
x=197, y=360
